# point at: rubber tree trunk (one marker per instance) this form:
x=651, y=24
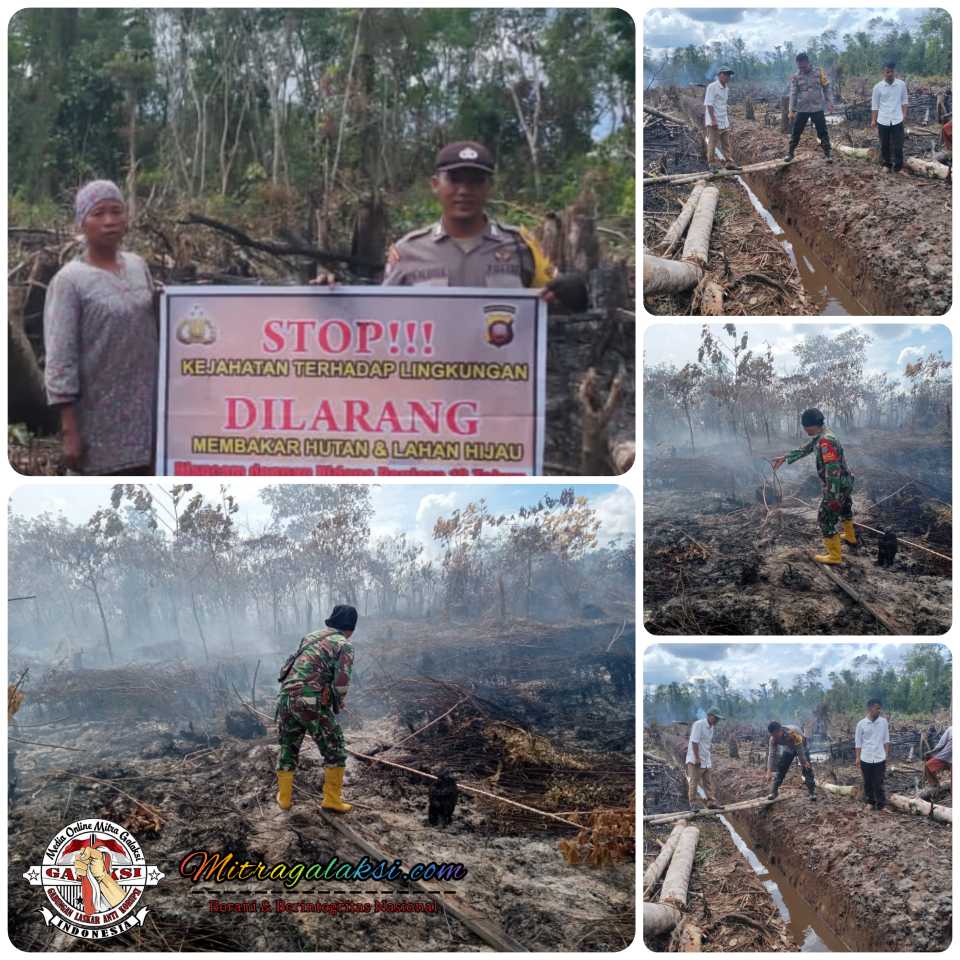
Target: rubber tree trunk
x=668, y=276
x=840, y=791
x=697, y=245
x=921, y=807
x=927, y=168
x=659, y=918
x=676, y=230
x=677, y=880
x=655, y=871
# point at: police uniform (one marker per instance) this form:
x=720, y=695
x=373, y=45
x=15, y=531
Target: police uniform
x=502, y=256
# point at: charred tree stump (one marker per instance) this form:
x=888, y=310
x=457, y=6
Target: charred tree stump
x=784, y=114
x=369, y=233
x=26, y=394
x=596, y=412
x=581, y=249
x=551, y=240
x=748, y=109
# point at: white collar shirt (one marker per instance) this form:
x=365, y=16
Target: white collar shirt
x=870, y=736
x=701, y=733
x=716, y=97
x=889, y=99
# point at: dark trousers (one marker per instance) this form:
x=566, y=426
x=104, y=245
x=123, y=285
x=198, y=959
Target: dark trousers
x=819, y=122
x=783, y=766
x=873, y=783
x=891, y=145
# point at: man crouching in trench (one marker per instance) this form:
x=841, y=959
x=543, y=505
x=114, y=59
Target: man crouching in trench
x=312, y=691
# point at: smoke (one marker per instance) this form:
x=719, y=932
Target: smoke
x=711, y=72
x=701, y=713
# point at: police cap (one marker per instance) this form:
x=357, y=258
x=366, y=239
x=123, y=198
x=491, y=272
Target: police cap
x=466, y=153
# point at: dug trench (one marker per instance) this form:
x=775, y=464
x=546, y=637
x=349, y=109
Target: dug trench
x=886, y=238
x=873, y=881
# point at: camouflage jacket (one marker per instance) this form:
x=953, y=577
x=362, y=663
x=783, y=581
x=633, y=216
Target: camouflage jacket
x=831, y=464
x=322, y=669
x=808, y=93
x=793, y=740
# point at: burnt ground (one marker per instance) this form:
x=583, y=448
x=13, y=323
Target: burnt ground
x=555, y=739
x=881, y=881
x=720, y=560
x=888, y=238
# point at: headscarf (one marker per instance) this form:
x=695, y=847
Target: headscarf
x=92, y=193
x=344, y=617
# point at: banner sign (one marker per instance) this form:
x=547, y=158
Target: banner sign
x=351, y=381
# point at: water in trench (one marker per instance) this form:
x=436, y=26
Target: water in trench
x=817, y=279
x=806, y=925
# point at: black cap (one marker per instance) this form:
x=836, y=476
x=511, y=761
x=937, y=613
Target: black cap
x=466, y=153
x=812, y=417
x=344, y=617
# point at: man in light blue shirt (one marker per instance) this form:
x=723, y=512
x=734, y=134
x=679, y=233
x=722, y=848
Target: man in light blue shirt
x=871, y=743
x=889, y=114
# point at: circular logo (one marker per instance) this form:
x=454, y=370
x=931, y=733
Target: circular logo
x=93, y=876
x=468, y=153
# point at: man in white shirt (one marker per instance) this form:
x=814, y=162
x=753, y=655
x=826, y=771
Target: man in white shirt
x=939, y=758
x=717, y=121
x=699, y=761
x=889, y=114
x=871, y=743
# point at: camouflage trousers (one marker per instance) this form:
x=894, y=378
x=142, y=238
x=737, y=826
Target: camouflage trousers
x=298, y=716
x=833, y=509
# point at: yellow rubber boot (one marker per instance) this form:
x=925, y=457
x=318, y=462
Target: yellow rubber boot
x=849, y=534
x=285, y=793
x=833, y=550
x=332, y=787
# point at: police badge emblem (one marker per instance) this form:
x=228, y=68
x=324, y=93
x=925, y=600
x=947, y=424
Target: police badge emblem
x=196, y=328
x=468, y=153
x=498, y=319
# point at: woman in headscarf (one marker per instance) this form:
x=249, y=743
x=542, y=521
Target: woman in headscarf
x=102, y=344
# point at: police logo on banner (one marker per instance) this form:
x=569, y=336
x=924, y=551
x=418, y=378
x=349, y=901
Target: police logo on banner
x=93, y=877
x=197, y=327
x=498, y=319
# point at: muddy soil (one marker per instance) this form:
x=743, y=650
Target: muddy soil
x=887, y=237
x=881, y=880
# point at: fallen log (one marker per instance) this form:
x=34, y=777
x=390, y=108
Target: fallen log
x=895, y=628
x=718, y=174
x=673, y=236
x=927, y=168
x=665, y=116
x=677, y=881
x=861, y=153
x=668, y=276
x=656, y=818
x=689, y=938
x=839, y=790
x=697, y=245
x=655, y=871
x=659, y=918
x=922, y=807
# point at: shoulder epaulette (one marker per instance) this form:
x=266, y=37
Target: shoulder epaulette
x=418, y=232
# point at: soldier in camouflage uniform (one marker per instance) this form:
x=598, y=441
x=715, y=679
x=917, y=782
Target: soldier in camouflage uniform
x=311, y=694
x=837, y=480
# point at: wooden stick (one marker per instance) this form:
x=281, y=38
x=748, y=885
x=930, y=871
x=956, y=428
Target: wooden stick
x=469, y=789
x=54, y=746
x=656, y=818
x=415, y=733
x=487, y=930
x=694, y=177
x=895, y=628
x=653, y=873
x=927, y=168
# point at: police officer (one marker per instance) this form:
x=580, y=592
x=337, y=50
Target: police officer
x=466, y=247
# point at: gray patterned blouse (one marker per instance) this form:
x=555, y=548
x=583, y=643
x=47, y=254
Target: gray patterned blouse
x=102, y=347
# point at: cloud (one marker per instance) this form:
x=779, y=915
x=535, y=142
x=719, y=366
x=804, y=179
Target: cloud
x=717, y=15
x=616, y=512
x=907, y=352
x=695, y=651
x=433, y=504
